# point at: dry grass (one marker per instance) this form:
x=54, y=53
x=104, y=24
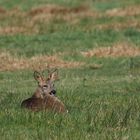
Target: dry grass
x=56, y=9
x=94, y=66
x=11, y=30
x=122, y=12
x=11, y=63
x=30, y=22
x=131, y=23
x=2, y=10
x=118, y=50
x=71, y=15
x=17, y=22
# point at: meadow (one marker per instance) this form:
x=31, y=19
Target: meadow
x=95, y=44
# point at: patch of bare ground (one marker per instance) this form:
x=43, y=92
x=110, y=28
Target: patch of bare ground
x=11, y=63
x=117, y=50
x=126, y=11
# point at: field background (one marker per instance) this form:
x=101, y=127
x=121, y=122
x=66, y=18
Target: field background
x=95, y=44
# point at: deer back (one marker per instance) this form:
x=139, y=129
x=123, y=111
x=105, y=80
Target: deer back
x=34, y=104
x=54, y=104
x=49, y=102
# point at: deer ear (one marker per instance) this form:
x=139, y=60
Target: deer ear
x=37, y=76
x=54, y=75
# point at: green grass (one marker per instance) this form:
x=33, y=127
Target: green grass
x=103, y=104
x=100, y=5
x=103, y=107
x=58, y=42
x=110, y=4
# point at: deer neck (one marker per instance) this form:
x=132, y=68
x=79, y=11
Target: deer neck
x=38, y=93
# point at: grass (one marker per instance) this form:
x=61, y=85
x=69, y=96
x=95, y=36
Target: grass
x=102, y=95
x=109, y=106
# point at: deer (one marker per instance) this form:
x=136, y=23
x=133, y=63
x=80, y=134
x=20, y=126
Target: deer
x=44, y=97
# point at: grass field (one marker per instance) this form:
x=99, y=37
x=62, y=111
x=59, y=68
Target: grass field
x=95, y=44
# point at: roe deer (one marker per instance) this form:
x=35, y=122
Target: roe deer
x=44, y=97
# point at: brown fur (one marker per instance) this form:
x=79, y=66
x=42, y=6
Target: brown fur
x=49, y=102
x=41, y=99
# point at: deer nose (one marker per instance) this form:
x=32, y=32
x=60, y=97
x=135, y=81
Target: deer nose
x=45, y=86
x=53, y=92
